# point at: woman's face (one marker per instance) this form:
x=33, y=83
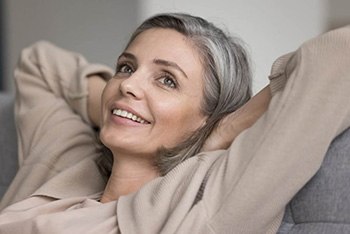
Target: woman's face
x=155, y=97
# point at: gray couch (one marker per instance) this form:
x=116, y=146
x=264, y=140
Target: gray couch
x=322, y=206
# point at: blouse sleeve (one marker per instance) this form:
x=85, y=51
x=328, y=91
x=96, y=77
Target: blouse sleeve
x=53, y=126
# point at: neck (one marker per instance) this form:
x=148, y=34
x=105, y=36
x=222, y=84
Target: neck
x=128, y=175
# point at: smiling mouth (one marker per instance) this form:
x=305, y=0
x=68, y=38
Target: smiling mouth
x=128, y=115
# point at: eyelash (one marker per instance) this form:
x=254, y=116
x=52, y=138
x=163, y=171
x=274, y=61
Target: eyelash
x=163, y=77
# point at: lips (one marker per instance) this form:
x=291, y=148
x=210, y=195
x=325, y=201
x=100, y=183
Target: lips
x=128, y=115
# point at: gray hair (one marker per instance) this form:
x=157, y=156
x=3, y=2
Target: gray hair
x=227, y=78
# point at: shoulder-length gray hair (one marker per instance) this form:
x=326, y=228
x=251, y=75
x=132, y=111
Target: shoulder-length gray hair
x=227, y=78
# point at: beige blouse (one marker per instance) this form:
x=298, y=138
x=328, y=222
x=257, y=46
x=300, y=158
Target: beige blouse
x=240, y=190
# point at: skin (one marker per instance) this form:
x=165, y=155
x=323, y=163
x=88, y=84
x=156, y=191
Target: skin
x=171, y=114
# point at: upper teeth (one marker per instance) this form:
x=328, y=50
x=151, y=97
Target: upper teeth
x=128, y=115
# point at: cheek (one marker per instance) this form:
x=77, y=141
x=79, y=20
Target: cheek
x=180, y=117
x=179, y=126
x=111, y=89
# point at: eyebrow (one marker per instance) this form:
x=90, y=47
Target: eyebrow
x=169, y=64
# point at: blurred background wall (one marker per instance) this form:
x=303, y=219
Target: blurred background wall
x=99, y=29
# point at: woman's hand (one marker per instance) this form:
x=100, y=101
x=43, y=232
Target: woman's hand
x=235, y=123
x=96, y=85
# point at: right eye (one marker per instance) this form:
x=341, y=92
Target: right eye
x=124, y=69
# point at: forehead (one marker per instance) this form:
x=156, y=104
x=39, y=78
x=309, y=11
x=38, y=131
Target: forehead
x=166, y=44
x=163, y=36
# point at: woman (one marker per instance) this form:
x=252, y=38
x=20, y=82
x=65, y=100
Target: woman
x=171, y=88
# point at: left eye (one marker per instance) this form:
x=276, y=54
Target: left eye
x=168, y=81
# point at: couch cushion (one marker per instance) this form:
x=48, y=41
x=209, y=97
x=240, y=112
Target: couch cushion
x=8, y=142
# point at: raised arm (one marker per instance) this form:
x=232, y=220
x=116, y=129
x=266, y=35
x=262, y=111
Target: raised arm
x=267, y=164
x=53, y=126
x=45, y=76
x=235, y=123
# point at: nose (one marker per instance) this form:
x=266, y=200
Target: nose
x=132, y=86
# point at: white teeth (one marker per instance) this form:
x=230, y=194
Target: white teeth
x=128, y=115
x=124, y=113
